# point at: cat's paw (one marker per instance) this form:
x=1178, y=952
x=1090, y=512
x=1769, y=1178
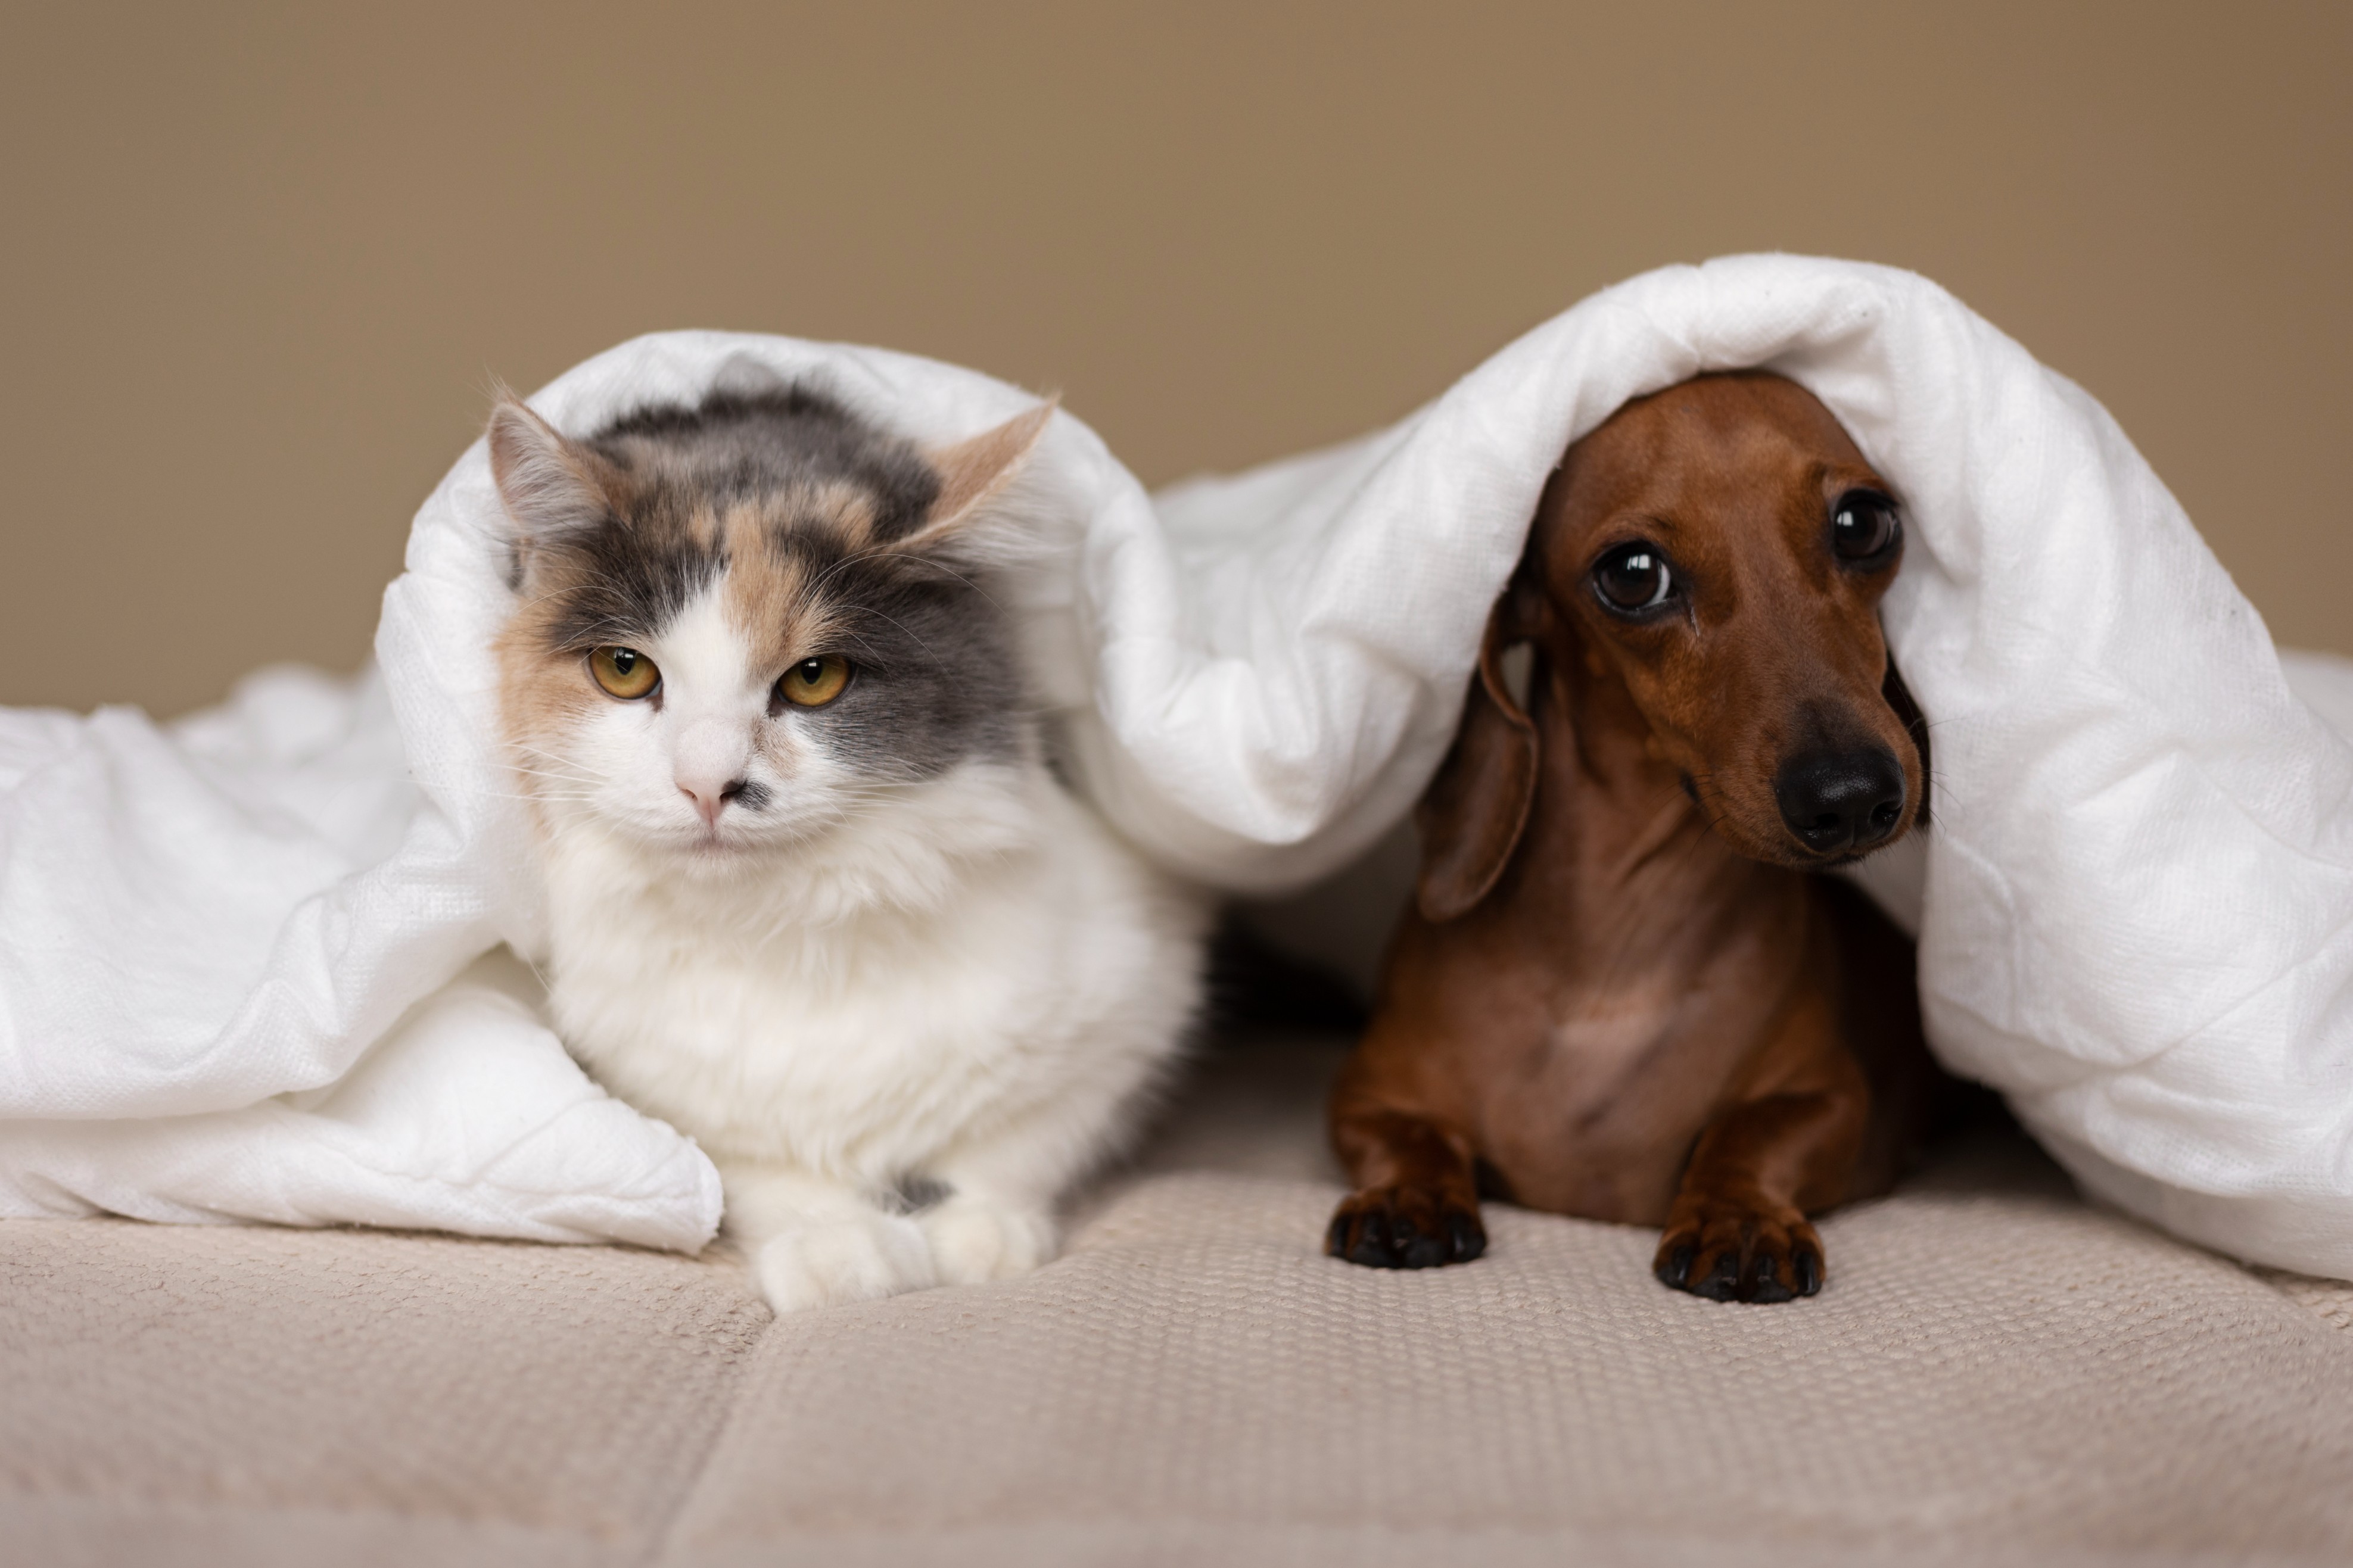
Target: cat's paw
x=973, y=1240
x=825, y=1262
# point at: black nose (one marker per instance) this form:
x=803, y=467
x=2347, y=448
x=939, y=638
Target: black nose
x=1836, y=802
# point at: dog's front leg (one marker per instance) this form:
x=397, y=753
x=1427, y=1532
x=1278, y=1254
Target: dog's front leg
x=1417, y=1200
x=1738, y=1230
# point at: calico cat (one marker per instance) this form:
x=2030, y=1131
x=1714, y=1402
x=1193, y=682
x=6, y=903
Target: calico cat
x=815, y=897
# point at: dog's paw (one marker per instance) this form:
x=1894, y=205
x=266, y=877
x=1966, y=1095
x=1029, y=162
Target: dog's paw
x=853, y=1257
x=973, y=1240
x=1731, y=1251
x=1405, y=1228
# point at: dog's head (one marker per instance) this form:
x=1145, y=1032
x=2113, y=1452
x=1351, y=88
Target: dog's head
x=1718, y=551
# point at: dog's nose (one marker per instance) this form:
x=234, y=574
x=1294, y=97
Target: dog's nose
x=1837, y=801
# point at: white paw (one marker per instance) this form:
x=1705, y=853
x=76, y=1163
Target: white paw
x=825, y=1262
x=973, y=1240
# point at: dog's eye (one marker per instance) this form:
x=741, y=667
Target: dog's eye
x=1633, y=578
x=1863, y=525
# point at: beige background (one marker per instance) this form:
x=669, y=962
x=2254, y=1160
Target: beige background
x=258, y=272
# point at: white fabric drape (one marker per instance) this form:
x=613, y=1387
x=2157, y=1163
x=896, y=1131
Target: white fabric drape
x=2136, y=905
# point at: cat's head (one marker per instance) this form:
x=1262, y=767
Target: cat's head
x=739, y=624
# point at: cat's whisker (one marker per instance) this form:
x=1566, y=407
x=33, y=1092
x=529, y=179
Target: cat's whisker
x=917, y=639
x=919, y=559
x=850, y=974
x=855, y=557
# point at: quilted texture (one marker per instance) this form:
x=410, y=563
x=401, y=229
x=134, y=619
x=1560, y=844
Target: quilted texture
x=1998, y=1373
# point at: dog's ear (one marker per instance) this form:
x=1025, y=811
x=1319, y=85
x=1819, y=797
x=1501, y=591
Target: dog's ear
x=1472, y=815
x=1915, y=724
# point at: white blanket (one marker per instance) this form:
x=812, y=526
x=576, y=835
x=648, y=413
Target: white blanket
x=223, y=943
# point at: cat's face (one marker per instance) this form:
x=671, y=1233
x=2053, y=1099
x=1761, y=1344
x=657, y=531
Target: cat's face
x=739, y=625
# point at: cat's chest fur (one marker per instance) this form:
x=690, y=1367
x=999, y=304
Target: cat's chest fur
x=973, y=956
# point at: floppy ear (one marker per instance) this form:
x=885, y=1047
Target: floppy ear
x=976, y=472
x=551, y=486
x=1471, y=817
x=1915, y=724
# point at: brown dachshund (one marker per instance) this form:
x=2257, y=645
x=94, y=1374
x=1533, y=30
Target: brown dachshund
x=1619, y=992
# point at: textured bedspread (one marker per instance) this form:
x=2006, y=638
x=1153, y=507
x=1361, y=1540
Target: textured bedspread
x=1996, y=1374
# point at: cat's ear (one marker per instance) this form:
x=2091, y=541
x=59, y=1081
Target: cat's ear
x=551, y=486
x=975, y=472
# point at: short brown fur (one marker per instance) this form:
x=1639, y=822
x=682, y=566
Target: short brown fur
x=1619, y=995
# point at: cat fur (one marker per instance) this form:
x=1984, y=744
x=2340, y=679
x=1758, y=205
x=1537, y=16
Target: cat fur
x=855, y=951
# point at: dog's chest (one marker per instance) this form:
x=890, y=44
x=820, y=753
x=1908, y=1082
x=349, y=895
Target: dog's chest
x=1617, y=1072
x=1603, y=1126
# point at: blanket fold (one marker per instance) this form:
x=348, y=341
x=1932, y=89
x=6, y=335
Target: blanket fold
x=2135, y=911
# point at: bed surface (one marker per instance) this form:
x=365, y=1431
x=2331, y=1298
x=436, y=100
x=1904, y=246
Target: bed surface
x=1998, y=1373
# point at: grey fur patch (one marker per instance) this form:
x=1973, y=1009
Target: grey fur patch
x=745, y=446
x=934, y=678
x=915, y=1193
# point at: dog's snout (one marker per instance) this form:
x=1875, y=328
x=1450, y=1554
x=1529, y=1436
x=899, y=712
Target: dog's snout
x=1840, y=802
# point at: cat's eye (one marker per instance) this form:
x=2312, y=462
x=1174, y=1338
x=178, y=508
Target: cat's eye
x=814, y=682
x=624, y=672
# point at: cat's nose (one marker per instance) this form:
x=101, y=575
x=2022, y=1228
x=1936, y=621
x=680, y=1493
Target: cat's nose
x=710, y=799
x=709, y=765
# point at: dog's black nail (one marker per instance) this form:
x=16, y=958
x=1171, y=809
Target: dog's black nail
x=1335, y=1240
x=1424, y=1252
x=1723, y=1281
x=1676, y=1269
x=1809, y=1271
x=1765, y=1281
x=1465, y=1237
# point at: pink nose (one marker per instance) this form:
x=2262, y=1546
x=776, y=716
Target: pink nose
x=711, y=799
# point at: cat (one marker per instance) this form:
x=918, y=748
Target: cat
x=815, y=896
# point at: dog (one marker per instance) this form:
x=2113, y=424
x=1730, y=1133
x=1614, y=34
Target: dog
x=1623, y=991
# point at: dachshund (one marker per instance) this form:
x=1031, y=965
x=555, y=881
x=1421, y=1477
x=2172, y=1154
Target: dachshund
x=1622, y=990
